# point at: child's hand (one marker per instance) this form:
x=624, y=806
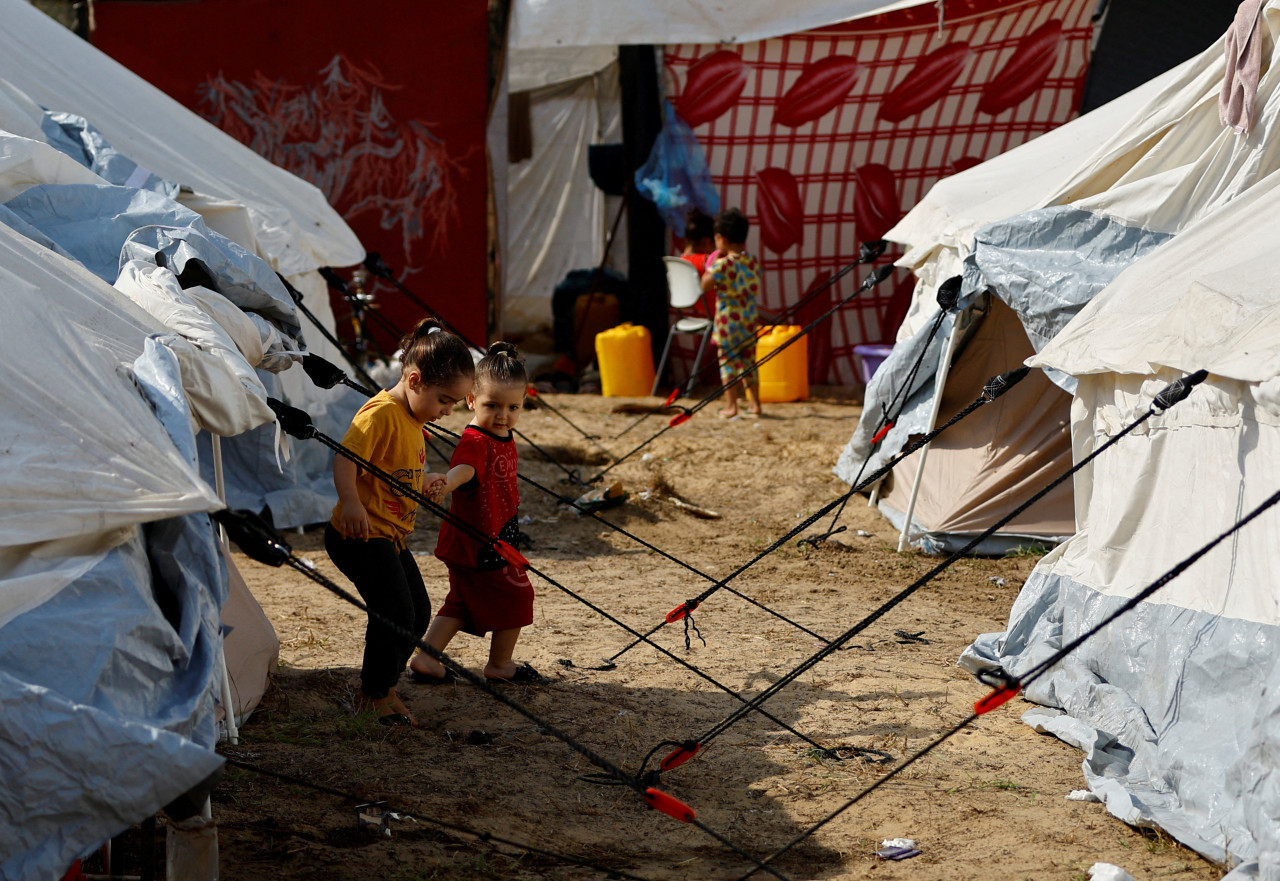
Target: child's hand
x=433, y=486
x=353, y=521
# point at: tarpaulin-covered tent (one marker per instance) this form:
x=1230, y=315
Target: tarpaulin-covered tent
x=110, y=578
x=1133, y=174
x=63, y=92
x=1175, y=703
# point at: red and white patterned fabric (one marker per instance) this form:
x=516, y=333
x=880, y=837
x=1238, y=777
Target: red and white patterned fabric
x=826, y=138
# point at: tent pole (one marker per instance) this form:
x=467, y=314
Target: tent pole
x=228, y=702
x=944, y=367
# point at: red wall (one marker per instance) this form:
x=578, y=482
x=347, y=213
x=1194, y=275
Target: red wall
x=381, y=105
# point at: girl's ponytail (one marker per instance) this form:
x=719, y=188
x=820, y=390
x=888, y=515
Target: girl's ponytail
x=435, y=353
x=502, y=365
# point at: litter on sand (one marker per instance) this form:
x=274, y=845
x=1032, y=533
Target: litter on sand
x=898, y=849
x=1081, y=795
x=600, y=498
x=1108, y=872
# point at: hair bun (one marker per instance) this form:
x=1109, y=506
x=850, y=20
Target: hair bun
x=427, y=326
x=501, y=347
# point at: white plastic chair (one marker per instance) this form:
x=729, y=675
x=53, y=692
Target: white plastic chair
x=685, y=288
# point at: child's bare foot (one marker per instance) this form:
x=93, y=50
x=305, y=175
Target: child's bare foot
x=389, y=710
x=727, y=413
x=401, y=708
x=754, y=412
x=423, y=665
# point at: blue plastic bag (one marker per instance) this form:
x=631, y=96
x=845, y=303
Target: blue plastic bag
x=675, y=177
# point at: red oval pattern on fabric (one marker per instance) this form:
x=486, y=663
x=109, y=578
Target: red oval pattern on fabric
x=713, y=86
x=927, y=82
x=821, y=88
x=779, y=209
x=875, y=202
x=1025, y=71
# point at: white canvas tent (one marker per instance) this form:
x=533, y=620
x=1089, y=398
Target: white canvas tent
x=1124, y=179
x=1174, y=705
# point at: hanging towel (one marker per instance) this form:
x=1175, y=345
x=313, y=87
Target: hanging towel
x=1244, y=67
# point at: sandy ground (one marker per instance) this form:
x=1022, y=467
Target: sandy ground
x=989, y=803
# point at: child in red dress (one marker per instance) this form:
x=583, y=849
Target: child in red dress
x=486, y=593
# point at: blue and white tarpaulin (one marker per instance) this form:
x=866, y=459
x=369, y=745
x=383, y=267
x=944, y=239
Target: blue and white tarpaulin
x=208, y=288
x=110, y=581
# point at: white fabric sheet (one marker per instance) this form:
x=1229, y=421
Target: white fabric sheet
x=544, y=23
x=556, y=216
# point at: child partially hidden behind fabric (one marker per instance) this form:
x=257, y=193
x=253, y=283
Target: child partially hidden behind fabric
x=733, y=275
x=486, y=593
x=366, y=536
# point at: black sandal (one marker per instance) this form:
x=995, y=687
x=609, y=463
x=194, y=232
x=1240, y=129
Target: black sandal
x=524, y=675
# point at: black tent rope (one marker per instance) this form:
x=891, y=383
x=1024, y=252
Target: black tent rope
x=994, y=388
x=259, y=541
x=374, y=263
x=1006, y=687
x=333, y=340
x=687, y=413
x=326, y=375
x=298, y=424
x=1170, y=395
x=479, y=835
x=948, y=295
x=450, y=437
x=869, y=252
x=324, y=370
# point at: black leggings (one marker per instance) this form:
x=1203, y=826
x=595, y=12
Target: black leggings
x=391, y=585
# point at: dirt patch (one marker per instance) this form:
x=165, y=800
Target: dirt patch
x=987, y=804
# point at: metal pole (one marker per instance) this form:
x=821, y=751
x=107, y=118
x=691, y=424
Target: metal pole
x=940, y=382
x=228, y=701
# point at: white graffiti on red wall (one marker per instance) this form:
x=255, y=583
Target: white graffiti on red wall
x=338, y=135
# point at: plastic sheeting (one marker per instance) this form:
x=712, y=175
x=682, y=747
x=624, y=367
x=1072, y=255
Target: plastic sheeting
x=62, y=338
x=547, y=23
x=227, y=398
x=293, y=226
x=1222, y=317
x=123, y=721
x=76, y=137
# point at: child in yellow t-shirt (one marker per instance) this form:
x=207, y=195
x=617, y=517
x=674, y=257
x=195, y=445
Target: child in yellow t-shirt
x=365, y=537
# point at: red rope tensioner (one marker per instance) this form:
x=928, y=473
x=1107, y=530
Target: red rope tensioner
x=681, y=611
